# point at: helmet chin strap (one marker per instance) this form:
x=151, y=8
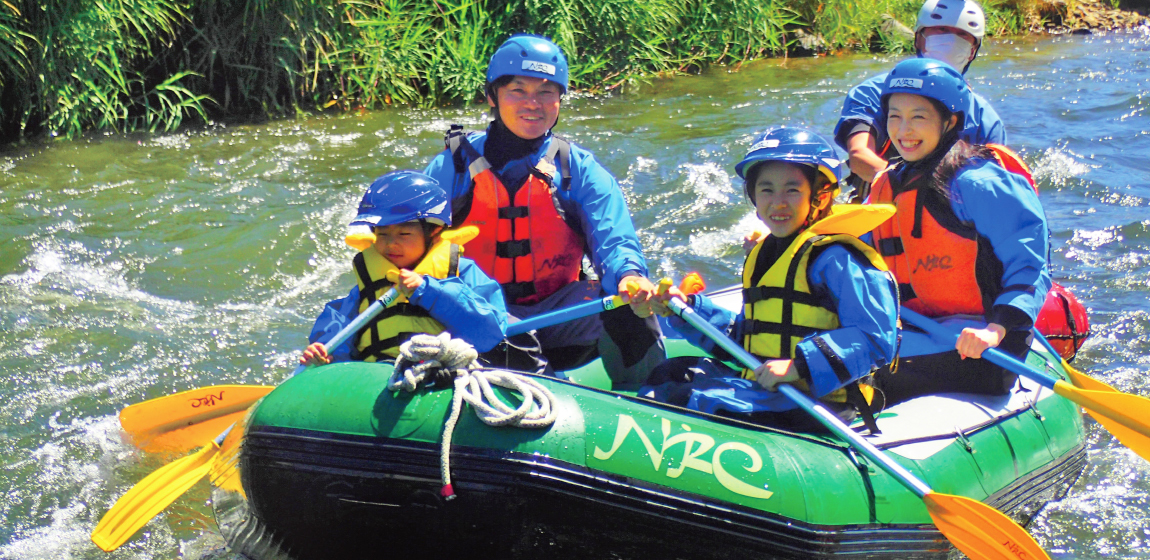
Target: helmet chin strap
x=826, y=200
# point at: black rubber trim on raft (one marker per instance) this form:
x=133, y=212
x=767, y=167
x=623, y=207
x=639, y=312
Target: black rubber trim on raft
x=558, y=498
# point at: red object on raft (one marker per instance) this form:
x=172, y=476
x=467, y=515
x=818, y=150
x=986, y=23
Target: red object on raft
x=1063, y=321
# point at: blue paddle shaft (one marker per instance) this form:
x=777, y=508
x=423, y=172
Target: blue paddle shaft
x=992, y=355
x=368, y=314
x=563, y=315
x=813, y=407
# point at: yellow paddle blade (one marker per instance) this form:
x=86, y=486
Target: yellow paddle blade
x=1125, y=416
x=150, y=496
x=224, y=472
x=184, y=420
x=1083, y=381
x=190, y=437
x=979, y=530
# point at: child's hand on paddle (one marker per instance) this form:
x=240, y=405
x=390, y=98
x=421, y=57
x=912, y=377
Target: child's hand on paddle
x=774, y=372
x=315, y=354
x=408, y=282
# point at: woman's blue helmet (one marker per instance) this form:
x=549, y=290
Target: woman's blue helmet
x=403, y=196
x=929, y=78
x=793, y=144
x=528, y=55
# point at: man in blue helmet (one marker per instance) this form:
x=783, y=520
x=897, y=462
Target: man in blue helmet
x=542, y=203
x=946, y=30
x=400, y=230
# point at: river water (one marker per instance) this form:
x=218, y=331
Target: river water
x=139, y=266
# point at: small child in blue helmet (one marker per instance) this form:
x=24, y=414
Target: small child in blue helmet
x=819, y=307
x=403, y=216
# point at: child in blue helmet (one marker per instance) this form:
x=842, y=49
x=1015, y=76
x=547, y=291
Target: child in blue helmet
x=969, y=240
x=946, y=30
x=819, y=309
x=541, y=203
x=403, y=216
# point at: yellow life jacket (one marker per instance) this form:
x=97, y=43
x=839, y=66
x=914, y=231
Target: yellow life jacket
x=779, y=308
x=380, y=339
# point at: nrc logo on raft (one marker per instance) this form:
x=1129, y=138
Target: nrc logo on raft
x=541, y=67
x=910, y=83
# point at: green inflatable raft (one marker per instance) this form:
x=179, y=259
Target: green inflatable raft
x=335, y=465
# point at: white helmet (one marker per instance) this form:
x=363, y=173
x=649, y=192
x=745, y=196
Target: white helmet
x=960, y=14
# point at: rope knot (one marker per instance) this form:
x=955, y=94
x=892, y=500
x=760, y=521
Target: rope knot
x=454, y=362
x=440, y=358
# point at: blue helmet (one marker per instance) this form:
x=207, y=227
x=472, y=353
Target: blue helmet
x=528, y=55
x=403, y=196
x=793, y=144
x=929, y=78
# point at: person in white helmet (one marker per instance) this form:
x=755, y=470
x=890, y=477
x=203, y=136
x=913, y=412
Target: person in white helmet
x=947, y=30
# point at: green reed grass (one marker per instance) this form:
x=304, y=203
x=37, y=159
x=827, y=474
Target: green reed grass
x=69, y=66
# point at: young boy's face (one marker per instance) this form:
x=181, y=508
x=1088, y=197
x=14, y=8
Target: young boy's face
x=782, y=197
x=402, y=244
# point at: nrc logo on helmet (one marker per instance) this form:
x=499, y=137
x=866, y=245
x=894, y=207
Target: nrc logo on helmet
x=768, y=143
x=541, y=67
x=909, y=83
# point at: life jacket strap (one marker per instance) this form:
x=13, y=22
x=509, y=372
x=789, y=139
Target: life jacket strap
x=856, y=399
x=761, y=293
x=513, y=212
x=754, y=326
x=561, y=148
x=378, y=348
x=518, y=290
x=370, y=287
x=890, y=247
x=906, y=292
x=513, y=249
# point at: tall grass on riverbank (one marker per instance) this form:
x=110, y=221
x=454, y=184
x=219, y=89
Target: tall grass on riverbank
x=70, y=66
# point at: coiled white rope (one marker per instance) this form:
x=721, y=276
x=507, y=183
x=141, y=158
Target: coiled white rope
x=425, y=355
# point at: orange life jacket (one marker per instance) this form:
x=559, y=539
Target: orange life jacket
x=524, y=243
x=943, y=266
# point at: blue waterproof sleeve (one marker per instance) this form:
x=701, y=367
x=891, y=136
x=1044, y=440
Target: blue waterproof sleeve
x=862, y=105
x=718, y=317
x=987, y=127
x=867, y=303
x=605, y=220
x=1005, y=209
x=470, y=305
x=335, y=316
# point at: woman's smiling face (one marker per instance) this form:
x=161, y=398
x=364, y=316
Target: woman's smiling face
x=914, y=125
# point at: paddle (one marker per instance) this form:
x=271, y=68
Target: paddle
x=1125, y=416
x=182, y=420
x=975, y=528
x=558, y=316
x=150, y=496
